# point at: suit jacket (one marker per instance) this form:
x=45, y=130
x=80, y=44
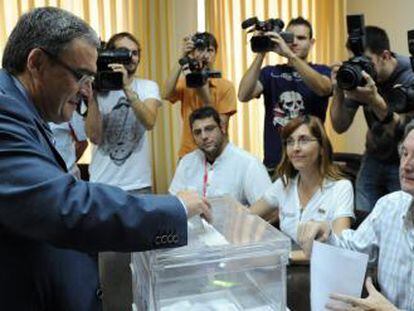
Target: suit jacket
x=52, y=225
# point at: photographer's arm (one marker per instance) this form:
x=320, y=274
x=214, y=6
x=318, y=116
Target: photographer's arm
x=317, y=82
x=250, y=86
x=93, y=122
x=341, y=115
x=171, y=82
x=204, y=94
x=146, y=110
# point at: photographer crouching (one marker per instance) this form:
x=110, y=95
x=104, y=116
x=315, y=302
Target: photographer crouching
x=372, y=86
x=117, y=124
x=194, y=83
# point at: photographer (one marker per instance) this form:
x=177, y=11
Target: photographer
x=218, y=93
x=117, y=125
x=290, y=89
x=378, y=174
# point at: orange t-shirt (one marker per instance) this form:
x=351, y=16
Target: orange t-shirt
x=224, y=101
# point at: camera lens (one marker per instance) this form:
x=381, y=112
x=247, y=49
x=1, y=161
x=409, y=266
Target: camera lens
x=349, y=77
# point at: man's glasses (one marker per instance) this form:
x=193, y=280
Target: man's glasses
x=302, y=141
x=81, y=77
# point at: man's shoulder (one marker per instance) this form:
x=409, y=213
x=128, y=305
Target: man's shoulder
x=223, y=83
x=394, y=203
x=242, y=156
x=191, y=158
x=139, y=82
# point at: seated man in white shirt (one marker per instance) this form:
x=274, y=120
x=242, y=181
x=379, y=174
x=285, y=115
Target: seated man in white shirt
x=217, y=167
x=387, y=235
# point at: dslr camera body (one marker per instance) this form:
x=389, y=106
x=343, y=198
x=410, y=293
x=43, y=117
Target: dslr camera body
x=199, y=72
x=262, y=43
x=106, y=79
x=349, y=75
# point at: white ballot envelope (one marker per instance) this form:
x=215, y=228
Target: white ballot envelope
x=335, y=270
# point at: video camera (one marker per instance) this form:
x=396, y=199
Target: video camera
x=106, y=79
x=402, y=96
x=199, y=73
x=349, y=75
x=261, y=43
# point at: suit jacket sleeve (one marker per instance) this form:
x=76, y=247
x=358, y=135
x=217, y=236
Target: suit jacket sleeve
x=39, y=201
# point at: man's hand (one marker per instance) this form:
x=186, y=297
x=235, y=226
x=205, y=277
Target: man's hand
x=121, y=68
x=187, y=46
x=367, y=94
x=374, y=302
x=281, y=46
x=195, y=204
x=310, y=231
x=334, y=71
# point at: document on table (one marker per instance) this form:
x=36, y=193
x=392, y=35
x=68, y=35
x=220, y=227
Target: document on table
x=335, y=270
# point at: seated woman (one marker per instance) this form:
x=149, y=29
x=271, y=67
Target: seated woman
x=310, y=186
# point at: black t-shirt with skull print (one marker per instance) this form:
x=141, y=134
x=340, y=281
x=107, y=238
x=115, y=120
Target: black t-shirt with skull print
x=286, y=96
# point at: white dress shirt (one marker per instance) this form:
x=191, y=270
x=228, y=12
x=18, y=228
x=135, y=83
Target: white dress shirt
x=387, y=235
x=335, y=199
x=235, y=172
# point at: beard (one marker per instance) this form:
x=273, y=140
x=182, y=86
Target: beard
x=131, y=69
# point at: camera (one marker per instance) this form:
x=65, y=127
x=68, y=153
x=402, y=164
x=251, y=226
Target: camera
x=201, y=41
x=349, y=75
x=263, y=43
x=199, y=74
x=106, y=79
x=401, y=98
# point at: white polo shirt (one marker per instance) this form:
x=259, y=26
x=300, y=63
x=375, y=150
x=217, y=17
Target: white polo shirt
x=235, y=172
x=335, y=199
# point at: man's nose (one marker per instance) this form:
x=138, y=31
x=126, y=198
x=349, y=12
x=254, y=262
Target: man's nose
x=407, y=163
x=204, y=135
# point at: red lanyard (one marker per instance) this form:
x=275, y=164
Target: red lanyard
x=205, y=179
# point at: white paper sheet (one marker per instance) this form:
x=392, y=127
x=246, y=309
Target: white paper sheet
x=335, y=270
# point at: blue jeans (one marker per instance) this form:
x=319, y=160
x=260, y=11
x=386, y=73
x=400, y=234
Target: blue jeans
x=375, y=179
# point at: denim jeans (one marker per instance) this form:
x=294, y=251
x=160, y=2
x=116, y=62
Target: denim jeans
x=375, y=179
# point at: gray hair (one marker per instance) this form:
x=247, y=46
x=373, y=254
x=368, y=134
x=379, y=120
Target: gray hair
x=48, y=27
x=407, y=129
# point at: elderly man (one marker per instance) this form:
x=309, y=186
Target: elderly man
x=387, y=235
x=50, y=223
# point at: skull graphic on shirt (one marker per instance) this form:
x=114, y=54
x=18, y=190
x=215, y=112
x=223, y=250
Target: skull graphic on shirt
x=290, y=106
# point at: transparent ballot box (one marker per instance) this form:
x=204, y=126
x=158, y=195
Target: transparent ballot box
x=238, y=262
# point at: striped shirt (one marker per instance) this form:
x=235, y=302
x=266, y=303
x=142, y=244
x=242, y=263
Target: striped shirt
x=387, y=235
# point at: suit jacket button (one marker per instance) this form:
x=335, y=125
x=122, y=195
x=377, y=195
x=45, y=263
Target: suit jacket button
x=99, y=293
x=158, y=240
x=175, y=238
x=170, y=238
x=164, y=239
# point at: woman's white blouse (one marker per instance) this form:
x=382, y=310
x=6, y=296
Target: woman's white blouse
x=335, y=199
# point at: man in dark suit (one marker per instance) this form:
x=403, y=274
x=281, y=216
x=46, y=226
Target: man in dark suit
x=52, y=225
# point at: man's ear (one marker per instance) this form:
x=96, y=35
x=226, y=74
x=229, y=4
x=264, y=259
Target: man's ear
x=312, y=42
x=386, y=55
x=35, y=62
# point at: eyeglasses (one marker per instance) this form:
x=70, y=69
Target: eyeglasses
x=302, y=141
x=81, y=77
